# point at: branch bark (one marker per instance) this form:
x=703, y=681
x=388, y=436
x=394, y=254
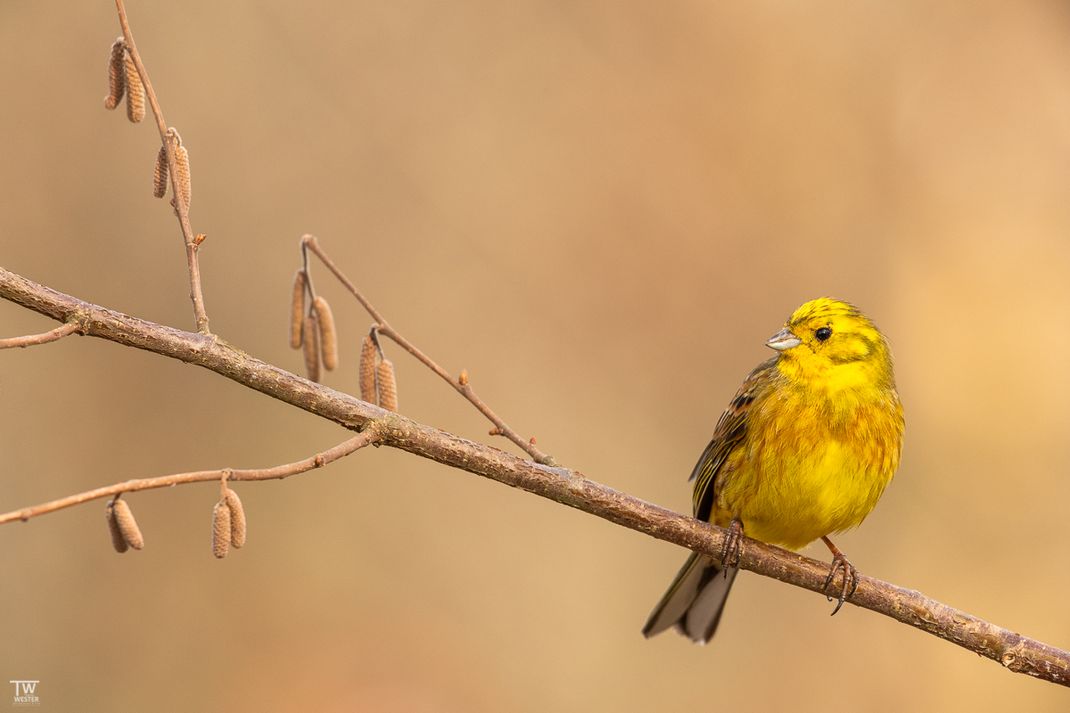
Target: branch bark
x=196, y=292
x=365, y=438
x=1014, y=651
x=31, y=340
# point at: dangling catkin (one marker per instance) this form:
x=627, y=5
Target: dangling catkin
x=124, y=518
x=159, y=174
x=116, y=75
x=367, y=370
x=297, y=309
x=312, y=347
x=182, y=176
x=135, y=93
x=388, y=387
x=117, y=540
x=220, y=529
x=237, y=518
x=328, y=333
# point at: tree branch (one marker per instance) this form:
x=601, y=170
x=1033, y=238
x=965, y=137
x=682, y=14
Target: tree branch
x=196, y=293
x=365, y=438
x=31, y=340
x=1013, y=651
x=501, y=428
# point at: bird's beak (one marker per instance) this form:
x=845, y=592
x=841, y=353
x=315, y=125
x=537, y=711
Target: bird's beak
x=782, y=340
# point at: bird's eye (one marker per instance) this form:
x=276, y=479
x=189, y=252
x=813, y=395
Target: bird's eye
x=823, y=334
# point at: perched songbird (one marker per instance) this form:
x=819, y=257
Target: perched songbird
x=805, y=449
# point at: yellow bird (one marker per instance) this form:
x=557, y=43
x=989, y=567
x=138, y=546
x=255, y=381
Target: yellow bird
x=805, y=449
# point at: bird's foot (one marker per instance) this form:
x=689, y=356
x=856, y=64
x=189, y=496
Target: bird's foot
x=849, y=574
x=732, y=547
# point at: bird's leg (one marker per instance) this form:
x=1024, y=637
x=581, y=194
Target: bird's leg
x=733, y=546
x=850, y=575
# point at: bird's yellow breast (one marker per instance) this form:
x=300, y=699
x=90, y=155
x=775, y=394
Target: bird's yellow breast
x=812, y=462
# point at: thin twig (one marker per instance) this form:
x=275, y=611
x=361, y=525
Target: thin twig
x=31, y=340
x=501, y=428
x=1015, y=652
x=181, y=210
x=364, y=438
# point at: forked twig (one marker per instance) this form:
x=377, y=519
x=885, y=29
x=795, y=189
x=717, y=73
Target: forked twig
x=462, y=385
x=366, y=437
x=31, y=340
x=181, y=210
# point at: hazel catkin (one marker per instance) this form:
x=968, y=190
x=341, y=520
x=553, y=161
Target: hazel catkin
x=127, y=525
x=182, y=176
x=237, y=518
x=297, y=309
x=387, y=384
x=327, y=332
x=367, y=369
x=312, y=347
x=135, y=92
x=221, y=529
x=116, y=74
x=117, y=539
x=159, y=173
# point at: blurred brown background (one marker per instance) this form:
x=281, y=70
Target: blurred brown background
x=601, y=210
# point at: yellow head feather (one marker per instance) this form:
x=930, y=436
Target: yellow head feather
x=838, y=347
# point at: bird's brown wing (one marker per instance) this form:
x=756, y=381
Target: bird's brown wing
x=727, y=435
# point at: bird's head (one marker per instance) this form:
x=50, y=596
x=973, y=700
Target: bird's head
x=834, y=342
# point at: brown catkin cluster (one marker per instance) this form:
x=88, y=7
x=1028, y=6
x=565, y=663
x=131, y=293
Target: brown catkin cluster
x=237, y=518
x=378, y=385
x=135, y=93
x=368, y=355
x=221, y=535
x=116, y=74
x=123, y=527
x=311, y=344
x=159, y=174
x=327, y=333
x=297, y=309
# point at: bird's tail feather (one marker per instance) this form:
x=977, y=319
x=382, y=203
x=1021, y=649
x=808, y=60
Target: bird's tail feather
x=694, y=601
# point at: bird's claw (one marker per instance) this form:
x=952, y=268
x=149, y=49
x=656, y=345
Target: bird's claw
x=850, y=580
x=732, y=547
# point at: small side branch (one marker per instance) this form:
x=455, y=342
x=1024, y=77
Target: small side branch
x=31, y=340
x=461, y=385
x=366, y=437
x=191, y=241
